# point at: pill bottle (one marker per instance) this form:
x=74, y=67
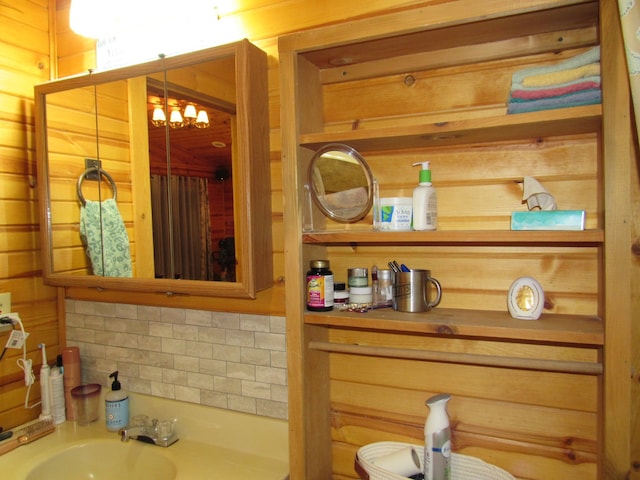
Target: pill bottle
x=319, y=286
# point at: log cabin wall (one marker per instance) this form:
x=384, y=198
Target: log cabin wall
x=24, y=61
x=568, y=409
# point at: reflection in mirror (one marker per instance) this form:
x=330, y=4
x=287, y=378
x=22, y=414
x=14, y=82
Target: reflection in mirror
x=107, y=117
x=341, y=183
x=191, y=184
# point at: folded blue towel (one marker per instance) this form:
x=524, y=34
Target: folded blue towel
x=575, y=99
x=590, y=56
x=105, y=236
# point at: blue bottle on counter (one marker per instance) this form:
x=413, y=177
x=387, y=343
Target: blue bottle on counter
x=116, y=406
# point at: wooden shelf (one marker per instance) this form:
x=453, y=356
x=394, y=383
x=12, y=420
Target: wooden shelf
x=559, y=122
x=550, y=328
x=456, y=237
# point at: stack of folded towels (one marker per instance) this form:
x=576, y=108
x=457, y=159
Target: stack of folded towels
x=571, y=83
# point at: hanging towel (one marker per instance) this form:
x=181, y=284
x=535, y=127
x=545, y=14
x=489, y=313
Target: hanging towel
x=110, y=242
x=586, y=58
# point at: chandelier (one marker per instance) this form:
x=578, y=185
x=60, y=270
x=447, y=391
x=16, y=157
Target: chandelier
x=189, y=117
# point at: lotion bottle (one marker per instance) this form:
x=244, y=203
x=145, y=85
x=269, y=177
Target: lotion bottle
x=116, y=406
x=437, y=439
x=425, y=201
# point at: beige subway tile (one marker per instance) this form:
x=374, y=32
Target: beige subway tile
x=200, y=380
x=242, y=404
x=256, y=389
x=270, y=341
x=276, y=376
x=159, y=329
x=277, y=324
x=241, y=371
x=199, y=349
x=170, y=345
x=225, y=320
x=187, y=394
x=213, y=367
x=173, y=315
x=240, y=338
x=227, y=385
x=214, y=399
x=164, y=390
x=150, y=372
x=254, y=323
x=186, y=363
x=200, y=318
x=255, y=356
x=269, y=408
x=229, y=353
x=175, y=377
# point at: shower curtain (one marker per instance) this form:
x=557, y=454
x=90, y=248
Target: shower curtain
x=188, y=227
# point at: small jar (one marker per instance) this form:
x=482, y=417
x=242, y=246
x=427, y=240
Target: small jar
x=361, y=296
x=385, y=288
x=340, y=296
x=358, y=277
x=319, y=286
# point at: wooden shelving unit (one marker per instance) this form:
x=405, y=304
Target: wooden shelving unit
x=536, y=364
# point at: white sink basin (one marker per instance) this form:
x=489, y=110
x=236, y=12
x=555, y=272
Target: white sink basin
x=106, y=460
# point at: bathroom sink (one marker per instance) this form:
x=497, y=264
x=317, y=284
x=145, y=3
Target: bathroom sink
x=106, y=460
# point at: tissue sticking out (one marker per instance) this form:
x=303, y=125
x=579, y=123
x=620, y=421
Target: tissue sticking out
x=536, y=196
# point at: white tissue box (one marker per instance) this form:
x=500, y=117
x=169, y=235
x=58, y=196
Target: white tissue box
x=548, y=220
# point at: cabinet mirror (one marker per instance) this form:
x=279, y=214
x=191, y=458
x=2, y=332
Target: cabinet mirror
x=134, y=197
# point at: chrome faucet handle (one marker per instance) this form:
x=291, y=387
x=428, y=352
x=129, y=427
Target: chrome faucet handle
x=124, y=435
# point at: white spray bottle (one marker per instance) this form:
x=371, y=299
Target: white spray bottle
x=425, y=201
x=45, y=386
x=437, y=439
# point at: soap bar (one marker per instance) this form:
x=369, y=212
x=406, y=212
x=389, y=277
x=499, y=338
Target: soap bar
x=548, y=220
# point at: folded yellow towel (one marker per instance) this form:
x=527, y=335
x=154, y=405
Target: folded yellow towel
x=561, y=76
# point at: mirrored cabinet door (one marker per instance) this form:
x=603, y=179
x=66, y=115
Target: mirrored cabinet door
x=146, y=175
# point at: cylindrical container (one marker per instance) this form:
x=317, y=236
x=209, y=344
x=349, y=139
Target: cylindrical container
x=56, y=388
x=362, y=296
x=87, y=403
x=72, y=377
x=319, y=286
x=385, y=288
x=340, y=296
x=404, y=462
x=437, y=439
x=412, y=291
x=396, y=213
x=358, y=277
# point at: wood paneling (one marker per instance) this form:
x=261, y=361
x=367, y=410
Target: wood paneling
x=24, y=61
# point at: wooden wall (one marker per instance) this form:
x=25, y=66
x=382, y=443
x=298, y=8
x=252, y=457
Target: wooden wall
x=25, y=53
x=24, y=62
x=34, y=32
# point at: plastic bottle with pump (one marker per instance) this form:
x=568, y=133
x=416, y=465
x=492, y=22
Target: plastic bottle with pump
x=116, y=406
x=437, y=439
x=425, y=201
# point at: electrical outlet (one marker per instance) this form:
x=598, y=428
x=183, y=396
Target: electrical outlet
x=5, y=303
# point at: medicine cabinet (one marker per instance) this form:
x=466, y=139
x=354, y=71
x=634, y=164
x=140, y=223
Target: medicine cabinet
x=103, y=122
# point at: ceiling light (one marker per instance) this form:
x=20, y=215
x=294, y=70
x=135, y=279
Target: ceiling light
x=190, y=117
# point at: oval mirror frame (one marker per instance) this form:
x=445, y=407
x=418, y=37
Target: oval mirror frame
x=341, y=183
x=251, y=185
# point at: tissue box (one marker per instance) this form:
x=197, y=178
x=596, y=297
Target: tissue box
x=548, y=220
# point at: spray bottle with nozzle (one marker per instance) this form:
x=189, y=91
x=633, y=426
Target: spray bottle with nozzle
x=425, y=201
x=437, y=439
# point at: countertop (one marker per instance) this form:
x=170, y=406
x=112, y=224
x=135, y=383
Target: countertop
x=213, y=443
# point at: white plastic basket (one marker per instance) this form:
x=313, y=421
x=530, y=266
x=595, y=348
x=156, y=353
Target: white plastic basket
x=463, y=467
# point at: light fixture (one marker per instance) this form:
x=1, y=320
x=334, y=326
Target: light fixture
x=191, y=117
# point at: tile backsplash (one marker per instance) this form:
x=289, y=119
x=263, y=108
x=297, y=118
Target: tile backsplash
x=228, y=360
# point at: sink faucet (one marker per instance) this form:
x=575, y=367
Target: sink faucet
x=159, y=433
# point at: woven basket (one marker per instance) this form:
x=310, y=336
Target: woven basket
x=463, y=467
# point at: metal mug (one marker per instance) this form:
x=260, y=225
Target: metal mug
x=412, y=291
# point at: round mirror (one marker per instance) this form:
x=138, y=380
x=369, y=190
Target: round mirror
x=341, y=183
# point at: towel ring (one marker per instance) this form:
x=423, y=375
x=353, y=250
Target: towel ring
x=101, y=172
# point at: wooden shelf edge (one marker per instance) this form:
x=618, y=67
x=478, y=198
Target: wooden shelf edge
x=576, y=330
x=558, y=122
x=592, y=237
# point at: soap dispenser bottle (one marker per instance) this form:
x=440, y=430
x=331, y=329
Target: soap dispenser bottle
x=425, y=201
x=437, y=439
x=116, y=406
